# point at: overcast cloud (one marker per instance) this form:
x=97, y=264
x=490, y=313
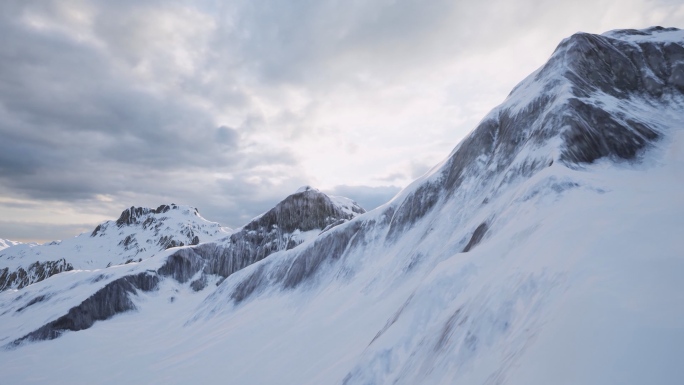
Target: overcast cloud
x=231, y=106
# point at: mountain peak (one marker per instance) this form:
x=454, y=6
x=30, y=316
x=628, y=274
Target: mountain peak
x=305, y=189
x=132, y=215
x=307, y=209
x=657, y=32
x=297, y=219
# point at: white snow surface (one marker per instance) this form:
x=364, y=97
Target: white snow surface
x=576, y=281
x=347, y=205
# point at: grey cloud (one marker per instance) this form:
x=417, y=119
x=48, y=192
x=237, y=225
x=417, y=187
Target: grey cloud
x=27, y=231
x=73, y=125
x=366, y=196
x=392, y=177
x=240, y=198
x=146, y=113
x=419, y=168
x=227, y=136
x=312, y=41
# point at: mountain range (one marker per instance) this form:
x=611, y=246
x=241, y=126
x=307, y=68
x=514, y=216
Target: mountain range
x=546, y=248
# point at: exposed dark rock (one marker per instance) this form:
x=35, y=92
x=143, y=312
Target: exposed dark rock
x=167, y=241
x=327, y=248
x=162, y=209
x=182, y=265
x=112, y=299
x=128, y=241
x=35, y=272
x=323, y=249
x=306, y=210
x=174, y=243
x=97, y=229
x=130, y=216
x=592, y=133
x=414, y=207
x=249, y=285
x=199, y=284
x=477, y=236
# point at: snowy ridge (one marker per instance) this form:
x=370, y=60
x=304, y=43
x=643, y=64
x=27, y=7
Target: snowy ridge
x=5, y=243
x=548, y=241
x=298, y=219
x=106, y=292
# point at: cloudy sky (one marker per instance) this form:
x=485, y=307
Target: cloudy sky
x=230, y=106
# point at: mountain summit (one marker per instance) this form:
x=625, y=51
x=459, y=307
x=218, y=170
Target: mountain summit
x=545, y=249
x=137, y=234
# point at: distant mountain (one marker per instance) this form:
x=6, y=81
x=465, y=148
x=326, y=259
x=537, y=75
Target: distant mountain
x=297, y=219
x=546, y=248
x=5, y=243
x=137, y=234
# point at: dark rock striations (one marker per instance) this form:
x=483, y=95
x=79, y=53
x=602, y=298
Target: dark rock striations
x=35, y=272
x=569, y=105
x=112, y=299
x=281, y=228
x=308, y=210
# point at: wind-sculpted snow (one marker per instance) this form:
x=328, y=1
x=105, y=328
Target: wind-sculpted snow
x=545, y=249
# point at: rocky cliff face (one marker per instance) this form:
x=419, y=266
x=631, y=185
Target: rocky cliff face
x=592, y=100
x=35, y=272
x=300, y=217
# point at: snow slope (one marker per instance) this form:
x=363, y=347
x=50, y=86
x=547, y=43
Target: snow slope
x=545, y=249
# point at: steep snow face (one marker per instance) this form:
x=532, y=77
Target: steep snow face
x=5, y=243
x=137, y=234
x=545, y=249
x=597, y=97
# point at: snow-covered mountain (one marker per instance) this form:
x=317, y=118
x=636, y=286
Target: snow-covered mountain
x=137, y=234
x=297, y=219
x=5, y=243
x=545, y=249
